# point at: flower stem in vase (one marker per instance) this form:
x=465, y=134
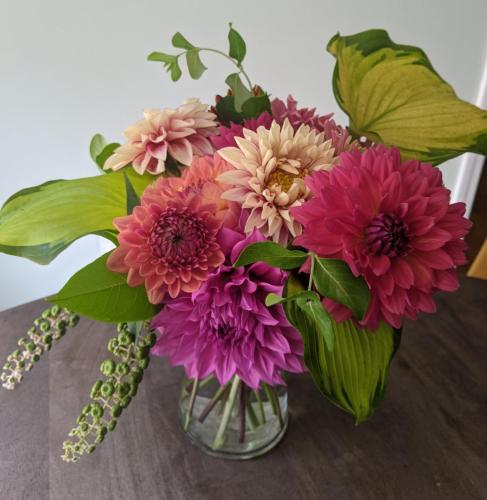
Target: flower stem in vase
x=219, y=394
x=252, y=417
x=243, y=404
x=261, y=406
x=187, y=420
x=227, y=412
x=274, y=401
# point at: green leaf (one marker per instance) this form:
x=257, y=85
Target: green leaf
x=106, y=152
x=169, y=61
x=133, y=199
x=320, y=319
x=97, y=293
x=166, y=59
x=38, y=223
x=180, y=42
x=195, y=67
x=255, y=106
x=97, y=145
x=393, y=95
x=334, y=280
x=354, y=375
x=272, y=254
x=175, y=71
x=225, y=109
x=273, y=299
x=237, y=48
x=240, y=92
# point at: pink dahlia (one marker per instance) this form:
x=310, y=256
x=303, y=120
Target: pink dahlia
x=226, y=135
x=179, y=133
x=225, y=329
x=393, y=224
x=169, y=243
x=340, y=138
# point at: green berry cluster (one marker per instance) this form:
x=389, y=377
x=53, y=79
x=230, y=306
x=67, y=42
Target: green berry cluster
x=49, y=326
x=113, y=393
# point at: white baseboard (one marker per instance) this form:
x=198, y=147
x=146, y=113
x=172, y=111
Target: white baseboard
x=471, y=164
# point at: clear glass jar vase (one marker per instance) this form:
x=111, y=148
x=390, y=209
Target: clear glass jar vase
x=233, y=421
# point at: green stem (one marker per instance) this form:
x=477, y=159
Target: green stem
x=212, y=403
x=274, y=400
x=189, y=411
x=311, y=272
x=220, y=435
x=239, y=66
x=253, y=420
x=243, y=404
x=261, y=406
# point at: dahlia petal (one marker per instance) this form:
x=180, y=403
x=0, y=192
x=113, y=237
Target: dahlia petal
x=403, y=274
x=446, y=280
x=116, y=260
x=181, y=151
x=432, y=240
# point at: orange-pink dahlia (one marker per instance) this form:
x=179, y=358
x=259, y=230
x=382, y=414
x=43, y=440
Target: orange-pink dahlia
x=179, y=133
x=393, y=224
x=169, y=243
x=201, y=177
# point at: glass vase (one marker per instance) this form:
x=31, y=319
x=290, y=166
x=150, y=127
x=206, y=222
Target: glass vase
x=233, y=421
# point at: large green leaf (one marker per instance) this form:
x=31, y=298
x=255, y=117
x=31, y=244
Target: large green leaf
x=97, y=293
x=354, y=374
x=39, y=222
x=393, y=95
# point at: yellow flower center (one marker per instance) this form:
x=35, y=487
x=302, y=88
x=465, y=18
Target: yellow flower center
x=283, y=179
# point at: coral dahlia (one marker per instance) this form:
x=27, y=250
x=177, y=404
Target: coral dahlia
x=268, y=175
x=339, y=136
x=169, y=242
x=179, y=133
x=224, y=328
x=393, y=224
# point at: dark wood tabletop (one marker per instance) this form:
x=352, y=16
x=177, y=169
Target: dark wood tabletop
x=428, y=439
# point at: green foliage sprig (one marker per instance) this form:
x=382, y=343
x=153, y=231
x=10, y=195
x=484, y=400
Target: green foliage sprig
x=114, y=392
x=50, y=326
x=245, y=101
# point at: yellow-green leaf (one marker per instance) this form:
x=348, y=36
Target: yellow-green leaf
x=393, y=95
x=38, y=223
x=354, y=374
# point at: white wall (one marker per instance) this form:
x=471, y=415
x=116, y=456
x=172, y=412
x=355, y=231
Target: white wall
x=69, y=69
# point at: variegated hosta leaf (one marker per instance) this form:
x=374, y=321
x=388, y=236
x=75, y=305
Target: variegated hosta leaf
x=393, y=95
x=353, y=375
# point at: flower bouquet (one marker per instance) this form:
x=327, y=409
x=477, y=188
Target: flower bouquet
x=254, y=237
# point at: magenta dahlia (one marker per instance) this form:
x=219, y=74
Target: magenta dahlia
x=225, y=329
x=169, y=243
x=393, y=224
x=226, y=135
x=339, y=136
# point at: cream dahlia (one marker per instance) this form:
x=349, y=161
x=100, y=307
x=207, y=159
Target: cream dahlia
x=179, y=133
x=268, y=175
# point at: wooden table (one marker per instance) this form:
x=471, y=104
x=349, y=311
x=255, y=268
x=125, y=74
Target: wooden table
x=428, y=440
